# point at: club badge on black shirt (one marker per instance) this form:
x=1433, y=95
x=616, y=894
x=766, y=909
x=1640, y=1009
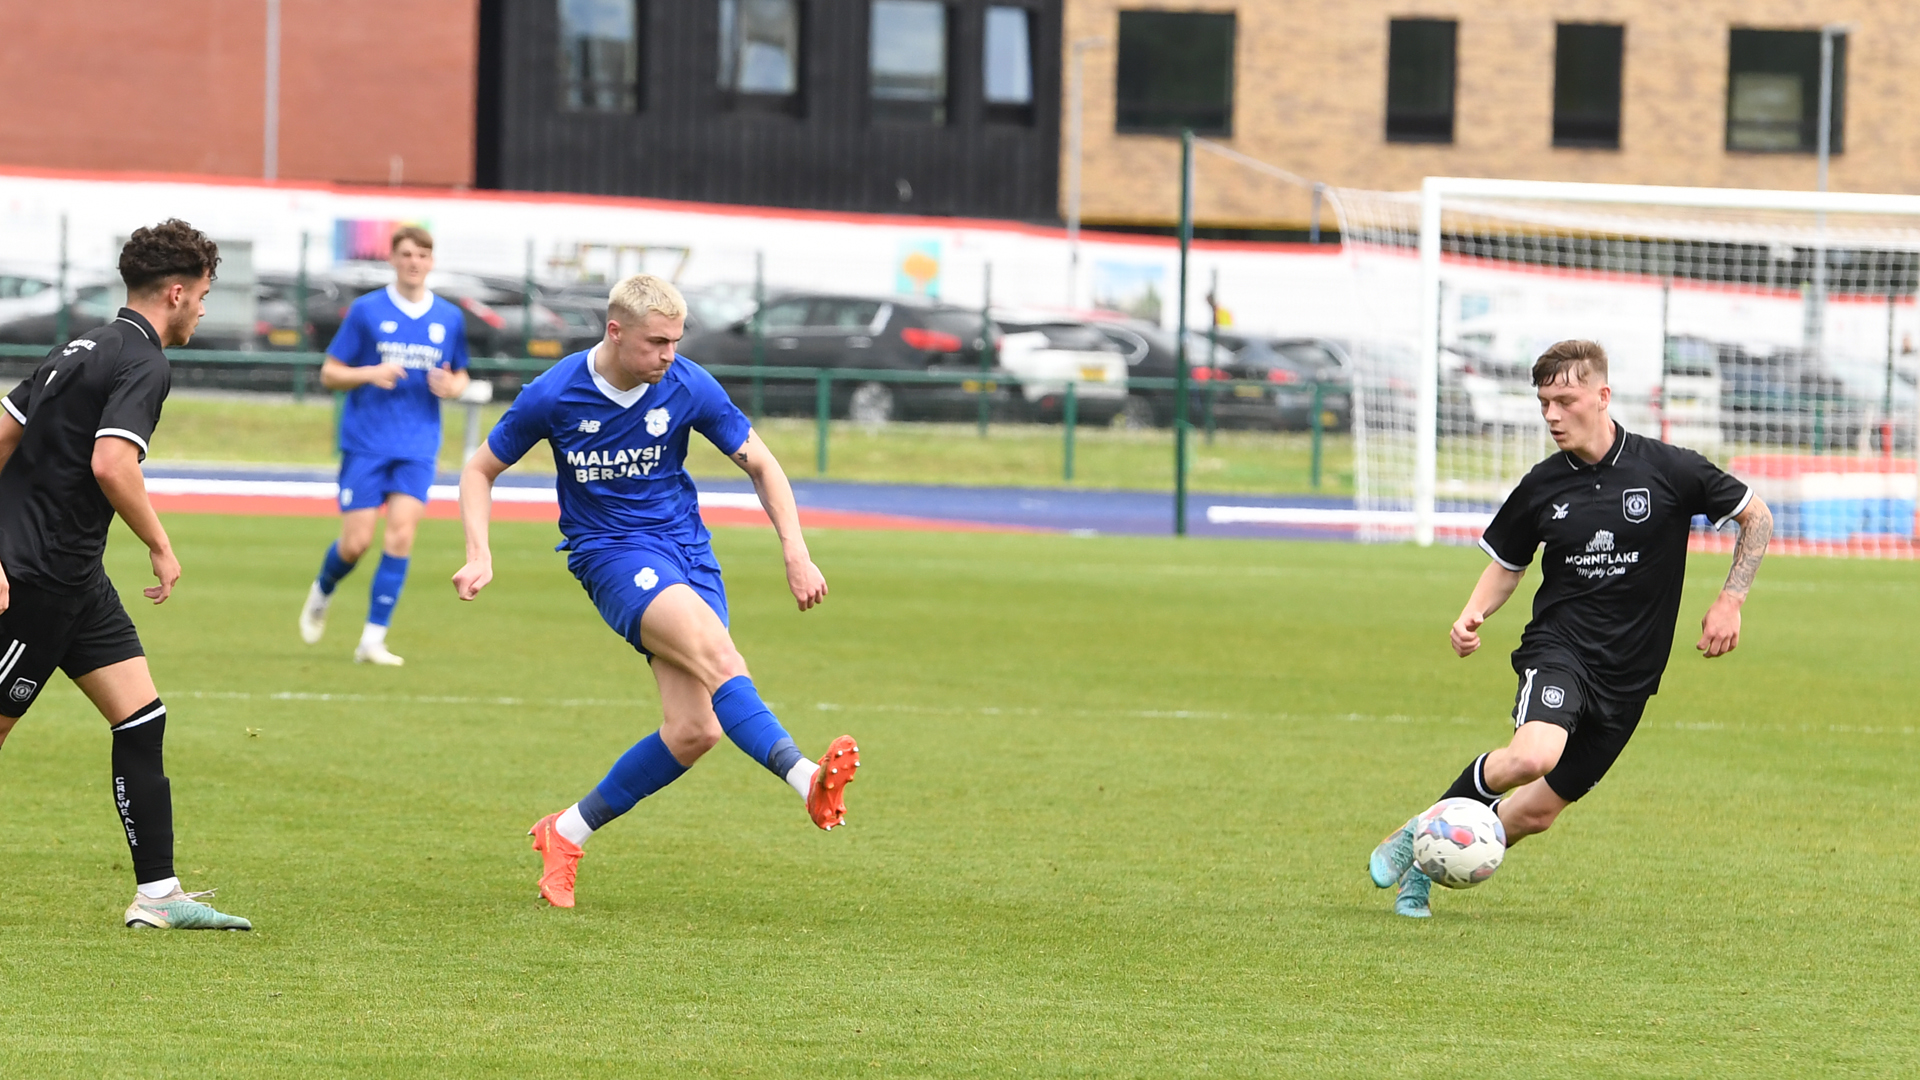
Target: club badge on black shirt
x=1615, y=534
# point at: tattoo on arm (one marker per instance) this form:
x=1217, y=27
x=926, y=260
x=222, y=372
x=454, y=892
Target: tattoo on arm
x=740, y=457
x=1748, y=551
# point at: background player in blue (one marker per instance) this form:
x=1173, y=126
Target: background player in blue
x=618, y=417
x=398, y=352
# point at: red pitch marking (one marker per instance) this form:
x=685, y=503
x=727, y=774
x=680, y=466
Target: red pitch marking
x=290, y=506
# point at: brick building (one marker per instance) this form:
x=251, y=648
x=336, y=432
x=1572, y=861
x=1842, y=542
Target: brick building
x=1715, y=93
x=369, y=91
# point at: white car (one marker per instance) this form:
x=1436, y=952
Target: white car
x=1050, y=354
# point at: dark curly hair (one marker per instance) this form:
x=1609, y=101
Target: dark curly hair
x=172, y=248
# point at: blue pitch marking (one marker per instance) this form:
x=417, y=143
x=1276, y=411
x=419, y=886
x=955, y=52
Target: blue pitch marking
x=1127, y=513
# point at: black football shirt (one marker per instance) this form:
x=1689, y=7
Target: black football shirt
x=1616, y=555
x=109, y=382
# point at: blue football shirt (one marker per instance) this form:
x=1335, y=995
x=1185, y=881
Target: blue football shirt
x=403, y=422
x=621, y=455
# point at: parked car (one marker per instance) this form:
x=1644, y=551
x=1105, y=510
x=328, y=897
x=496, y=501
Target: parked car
x=30, y=306
x=1291, y=368
x=892, y=334
x=1048, y=352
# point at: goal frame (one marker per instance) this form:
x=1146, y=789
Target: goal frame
x=1435, y=191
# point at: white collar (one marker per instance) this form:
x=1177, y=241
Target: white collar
x=407, y=307
x=623, y=398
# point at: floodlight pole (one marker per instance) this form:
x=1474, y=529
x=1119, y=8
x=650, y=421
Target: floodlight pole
x=1075, y=125
x=270, y=155
x=1180, y=339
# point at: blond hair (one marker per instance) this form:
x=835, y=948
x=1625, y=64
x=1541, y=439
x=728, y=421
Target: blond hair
x=1572, y=361
x=634, y=298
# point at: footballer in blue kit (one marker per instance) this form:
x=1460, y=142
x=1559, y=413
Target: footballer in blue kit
x=397, y=353
x=618, y=418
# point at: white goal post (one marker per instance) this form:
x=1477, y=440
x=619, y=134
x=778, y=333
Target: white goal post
x=1772, y=330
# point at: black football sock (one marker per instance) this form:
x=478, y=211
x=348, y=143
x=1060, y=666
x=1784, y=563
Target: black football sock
x=141, y=791
x=1473, y=784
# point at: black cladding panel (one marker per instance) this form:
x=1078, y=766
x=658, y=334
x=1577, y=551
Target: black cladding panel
x=823, y=149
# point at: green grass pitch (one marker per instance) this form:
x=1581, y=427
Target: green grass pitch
x=1116, y=802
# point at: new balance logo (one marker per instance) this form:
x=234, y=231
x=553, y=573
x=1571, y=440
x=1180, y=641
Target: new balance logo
x=1560, y=510
x=590, y=426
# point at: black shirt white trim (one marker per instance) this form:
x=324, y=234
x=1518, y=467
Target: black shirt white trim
x=109, y=382
x=1614, y=561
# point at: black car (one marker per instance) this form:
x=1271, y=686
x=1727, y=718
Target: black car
x=1250, y=382
x=890, y=334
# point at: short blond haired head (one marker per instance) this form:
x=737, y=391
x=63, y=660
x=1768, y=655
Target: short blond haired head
x=635, y=297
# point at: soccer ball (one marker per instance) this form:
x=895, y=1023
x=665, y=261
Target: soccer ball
x=1458, y=843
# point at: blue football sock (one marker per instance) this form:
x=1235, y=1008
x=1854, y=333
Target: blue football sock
x=644, y=769
x=387, y=580
x=332, y=569
x=752, y=727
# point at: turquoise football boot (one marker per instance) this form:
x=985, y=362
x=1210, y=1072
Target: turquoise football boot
x=1391, y=859
x=181, y=911
x=1412, y=898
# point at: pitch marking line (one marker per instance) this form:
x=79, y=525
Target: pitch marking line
x=992, y=710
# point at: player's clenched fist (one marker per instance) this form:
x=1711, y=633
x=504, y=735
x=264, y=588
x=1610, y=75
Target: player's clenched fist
x=471, y=578
x=808, y=584
x=1465, y=636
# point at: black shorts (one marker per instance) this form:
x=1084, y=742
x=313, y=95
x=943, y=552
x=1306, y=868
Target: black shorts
x=1597, y=727
x=75, y=632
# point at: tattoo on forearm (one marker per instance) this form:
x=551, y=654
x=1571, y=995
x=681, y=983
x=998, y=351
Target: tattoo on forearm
x=1748, y=551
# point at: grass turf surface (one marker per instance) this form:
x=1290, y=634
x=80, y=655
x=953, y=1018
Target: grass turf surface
x=238, y=429
x=1115, y=803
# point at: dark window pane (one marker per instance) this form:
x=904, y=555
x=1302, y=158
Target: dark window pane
x=907, y=60
x=760, y=47
x=789, y=315
x=1773, y=90
x=1420, y=80
x=599, y=55
x=1586, y=85
x=1175, y=71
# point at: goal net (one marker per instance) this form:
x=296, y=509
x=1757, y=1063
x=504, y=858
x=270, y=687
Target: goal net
x=1774, y=332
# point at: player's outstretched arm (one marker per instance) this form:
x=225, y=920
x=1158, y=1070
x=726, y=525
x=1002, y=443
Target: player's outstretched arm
x=116, y=465
x=1496, y=584
x=1720, y=630
x=476, y=510
x=808, y=585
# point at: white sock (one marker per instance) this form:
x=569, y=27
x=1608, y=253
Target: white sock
x=572, y=826
x=373, y=634
x=801, y=776
x=154, y=890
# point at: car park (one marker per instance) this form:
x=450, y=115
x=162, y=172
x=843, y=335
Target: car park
x=1048, y=353
x=884, y=335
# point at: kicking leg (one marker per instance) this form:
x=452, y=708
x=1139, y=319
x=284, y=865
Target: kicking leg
x=125, y=695
x=356, y=533
x=403, y=521
x=1531, y=809
x=682, y=631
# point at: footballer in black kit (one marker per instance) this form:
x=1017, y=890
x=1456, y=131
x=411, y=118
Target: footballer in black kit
x=1613, y=511
x=72, y=437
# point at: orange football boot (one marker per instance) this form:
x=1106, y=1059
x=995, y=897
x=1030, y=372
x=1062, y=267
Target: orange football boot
x=827, y=800
x=559, y=861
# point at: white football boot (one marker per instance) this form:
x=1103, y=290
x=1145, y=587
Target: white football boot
x=313, y=616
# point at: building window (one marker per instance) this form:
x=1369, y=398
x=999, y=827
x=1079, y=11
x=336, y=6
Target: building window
x=907, y=60
x=1773, y=90
x=1008, y=64
x=760, y=49
x=1420, y=80
x=1586, y=85
x=599, y=55
x=1175, y=71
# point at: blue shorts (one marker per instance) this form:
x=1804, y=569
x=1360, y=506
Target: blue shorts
x=366, y=481
x=622, y=580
